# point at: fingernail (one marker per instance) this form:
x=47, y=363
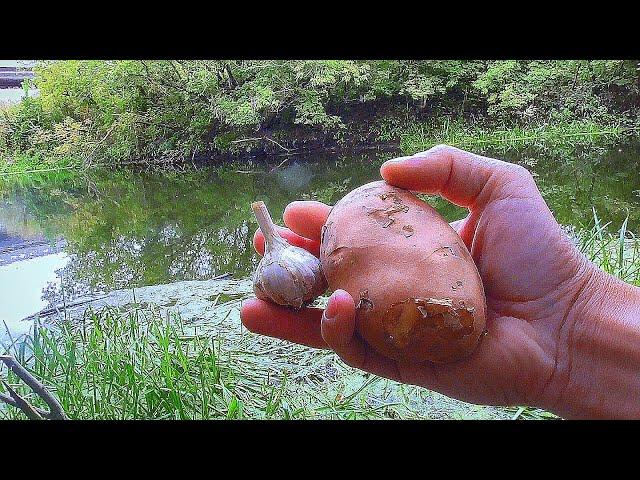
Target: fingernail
x=332, y=309
x=394, y=161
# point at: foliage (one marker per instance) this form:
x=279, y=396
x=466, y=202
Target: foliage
x=117, y=111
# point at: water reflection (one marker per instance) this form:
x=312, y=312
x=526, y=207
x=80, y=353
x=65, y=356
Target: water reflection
x=295, y=177
x=23, y=284
x=128, y=229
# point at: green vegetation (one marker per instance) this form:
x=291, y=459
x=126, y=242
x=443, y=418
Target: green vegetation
x=117, y=112
x=568, y=121
x=569, y=137
x=617, y=254
x=137, y=364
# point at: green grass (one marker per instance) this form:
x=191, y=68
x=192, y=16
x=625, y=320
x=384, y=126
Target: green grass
x=420, y=136
x=25, y=164
x=617, y=254
x=139, y=364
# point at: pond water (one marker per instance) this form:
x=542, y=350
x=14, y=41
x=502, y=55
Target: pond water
x=10, y=96
x=64, y=236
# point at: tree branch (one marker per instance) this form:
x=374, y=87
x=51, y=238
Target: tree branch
x=255, y=139
x=56, y=409
x=10, y=401
x=22, y=404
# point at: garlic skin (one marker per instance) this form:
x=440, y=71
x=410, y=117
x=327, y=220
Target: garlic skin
x=286, y=275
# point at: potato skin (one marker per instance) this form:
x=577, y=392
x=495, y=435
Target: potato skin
x=418, y=293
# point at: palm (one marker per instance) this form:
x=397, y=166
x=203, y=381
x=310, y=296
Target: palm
x=526, y=264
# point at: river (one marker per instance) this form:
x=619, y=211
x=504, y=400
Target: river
x=11, y=96
x=64, y=236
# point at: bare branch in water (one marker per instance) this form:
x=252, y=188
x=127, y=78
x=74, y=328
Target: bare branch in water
x=255, y=139
x=10, y=401
x=56, y=409
x=22, y=404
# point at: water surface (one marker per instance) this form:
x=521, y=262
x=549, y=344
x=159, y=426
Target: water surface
x=11, y=96
x=128, y=229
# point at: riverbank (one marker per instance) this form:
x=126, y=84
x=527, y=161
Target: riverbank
x=387, y=135
x=179, y=351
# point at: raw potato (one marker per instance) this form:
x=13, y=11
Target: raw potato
x=418, y=292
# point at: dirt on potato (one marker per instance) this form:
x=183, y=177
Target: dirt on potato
x=419, y=295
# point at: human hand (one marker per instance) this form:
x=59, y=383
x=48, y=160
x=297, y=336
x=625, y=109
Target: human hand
x=536, y=282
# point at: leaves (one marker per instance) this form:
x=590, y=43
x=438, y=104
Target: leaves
x=168, y=109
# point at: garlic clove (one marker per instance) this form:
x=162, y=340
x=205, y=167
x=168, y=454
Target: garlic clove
x=286, y=275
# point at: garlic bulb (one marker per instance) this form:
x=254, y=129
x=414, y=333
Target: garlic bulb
x=286, y=275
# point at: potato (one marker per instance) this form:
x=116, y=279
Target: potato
x=418, y=293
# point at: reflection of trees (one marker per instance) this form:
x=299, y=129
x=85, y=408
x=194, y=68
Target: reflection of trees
x=600, y=177
x=16, y=221
x=167, y=228
x=30, y=207
x=132, y=229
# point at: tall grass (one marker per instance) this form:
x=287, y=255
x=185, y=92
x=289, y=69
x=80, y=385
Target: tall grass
x=617, y=254
x=140, y=366
x=115, y=366
x=421, y=136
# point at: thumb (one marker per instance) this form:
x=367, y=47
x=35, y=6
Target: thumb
x=339, y=320
x=463, y=178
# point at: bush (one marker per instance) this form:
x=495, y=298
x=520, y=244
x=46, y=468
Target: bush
x=119, y=110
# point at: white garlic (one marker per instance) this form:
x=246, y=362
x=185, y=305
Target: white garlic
x=286, y=275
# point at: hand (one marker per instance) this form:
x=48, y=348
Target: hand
x=534, y=278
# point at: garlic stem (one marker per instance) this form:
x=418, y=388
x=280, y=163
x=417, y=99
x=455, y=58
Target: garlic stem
x=267, y=226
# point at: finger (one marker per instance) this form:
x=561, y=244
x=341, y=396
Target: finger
x=306, y=218
x=339, y=320
x=338, y=331
x=312, y=246
x=461, y=177
x=465, y=228
x=272, y=320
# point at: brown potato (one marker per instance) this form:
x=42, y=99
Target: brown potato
x=418, y=292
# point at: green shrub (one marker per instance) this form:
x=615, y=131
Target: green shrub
x=114, y=111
